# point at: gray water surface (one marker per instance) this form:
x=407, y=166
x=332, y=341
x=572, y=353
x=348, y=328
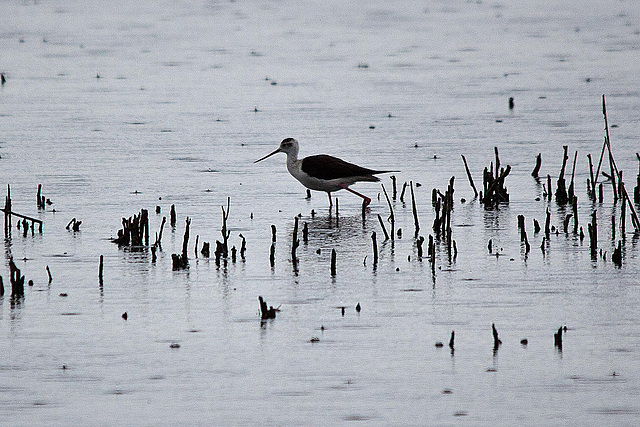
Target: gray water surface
x=119, y=106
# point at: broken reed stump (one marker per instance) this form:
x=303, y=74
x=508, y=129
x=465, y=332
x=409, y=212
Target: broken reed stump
x=375, y=248
x=305, y=232
x=591, y=188
x=74, y=225
x=206, y=249
x=547, y=224
x=617, y=255
x=272, y=255
x=100, y=269
x=333, y=262
x=536, y=226
x=173, y=216
x=243, y=245
x=561, y=191
x=574, y=208
x=466, y=167
x=557, y=339
x=180, y=262
x=266, y=313
x=1, y=287
x=40, y=199
x=17, y=280
x=394, y=190
x=49, y=274
x=159, y=236
x=419, y=243
x=536, y=168
x=415, y=211
x=453, y=335
x=494, y=191
x=195, y=248
x=496, y=339
x=273, y=233
x=593, y=235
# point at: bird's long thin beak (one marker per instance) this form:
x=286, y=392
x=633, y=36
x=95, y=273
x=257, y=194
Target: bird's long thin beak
x=268, y=155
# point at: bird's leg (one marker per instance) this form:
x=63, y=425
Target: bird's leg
x=330, y=201
x=366, y=199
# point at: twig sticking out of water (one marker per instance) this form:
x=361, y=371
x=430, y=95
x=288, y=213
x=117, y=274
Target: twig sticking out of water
x=49, y=274
x=394, y=190
x=173, y=216
x=557, y=338
x=415, y=211
x=536, y=169
x=1, y=287
x=466, y=167
x=40, y=199
x=243, y=246
x=224, y=231
x=453, y=334
x=549, y=191
x=574, y=208
x=333, y=262
x=593, y=235
x=266, y=313
x=159, y=236
x=295, y=242
x=591, y=183
x=273, y=233
x=443, y=209
x=547, y=224
x=561, y=190
x=392, y=219
x=375, y=248
x=536, y=226
x=100, y=269
x=384, y=230
x=496, y=340
x=404, y=188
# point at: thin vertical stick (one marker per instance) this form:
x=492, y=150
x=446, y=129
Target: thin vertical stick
x=375, y=248
x=415, y=210
x=384, y=230
x=466, y=167
x=333, y=262
x=391, y=216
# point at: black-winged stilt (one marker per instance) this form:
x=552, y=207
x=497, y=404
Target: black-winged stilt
x=323, y=172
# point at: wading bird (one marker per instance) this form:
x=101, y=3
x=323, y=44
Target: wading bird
x=323, y=172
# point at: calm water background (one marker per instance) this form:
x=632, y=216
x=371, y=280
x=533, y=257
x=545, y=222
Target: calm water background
x=171, y=120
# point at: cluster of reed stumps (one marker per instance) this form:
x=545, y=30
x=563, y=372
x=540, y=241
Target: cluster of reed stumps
x=27, y=223
x=135, y=235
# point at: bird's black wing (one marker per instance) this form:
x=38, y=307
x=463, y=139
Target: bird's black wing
x=323, y=166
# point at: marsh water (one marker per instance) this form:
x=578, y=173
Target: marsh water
x=120, y=106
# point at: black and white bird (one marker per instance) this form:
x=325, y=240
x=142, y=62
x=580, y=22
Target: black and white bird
x=324, y=173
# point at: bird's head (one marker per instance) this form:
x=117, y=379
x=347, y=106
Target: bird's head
x=289, y=146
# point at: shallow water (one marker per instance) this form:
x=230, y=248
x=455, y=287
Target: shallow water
x=409, y=86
